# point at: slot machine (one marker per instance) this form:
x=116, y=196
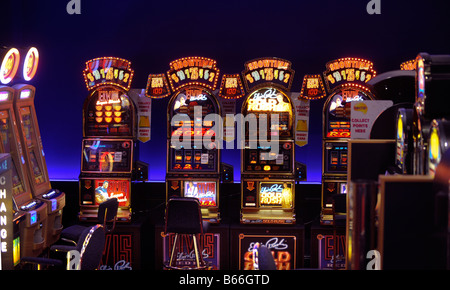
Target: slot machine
x=432, y=85
x=29, y=212
x=346, y=80
x=193, y=143
x=109, y=147
x=267, y=154
x=37, y=207
x=35, y=163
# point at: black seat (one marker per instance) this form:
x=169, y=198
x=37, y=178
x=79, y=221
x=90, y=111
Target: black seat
x=262, y=258
x=107, y=216
x=183, y=217
x=90, y=246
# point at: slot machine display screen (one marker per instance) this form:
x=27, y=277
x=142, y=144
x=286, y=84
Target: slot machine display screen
x=28, y=128
x=336, y=157
x=275, y=194
x=109, y=112
x=112, y=188
x=193, y=145
x=264, y=159
x=264, y=104
x=205, y=191
x=338, y=112
x=100, y=155
x=18, y=185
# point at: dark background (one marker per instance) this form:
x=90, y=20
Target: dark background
x=153, y=33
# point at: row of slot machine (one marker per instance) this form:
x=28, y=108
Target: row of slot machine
x=35, y=213
x=202, y=118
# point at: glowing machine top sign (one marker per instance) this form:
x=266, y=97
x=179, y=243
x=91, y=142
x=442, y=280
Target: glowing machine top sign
x=231, y=87
x=348, y=70
x=108, y=71
x=268, y=100
x=190, y=71
x=9, y=66
x=30, y=64
x=157, y=86
x=259, y=72
x=312, y=88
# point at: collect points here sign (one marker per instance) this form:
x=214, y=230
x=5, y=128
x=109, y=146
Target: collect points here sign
x=363, y=115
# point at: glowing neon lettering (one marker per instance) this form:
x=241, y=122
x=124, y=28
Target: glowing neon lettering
x=270, y=100
x=108, y=97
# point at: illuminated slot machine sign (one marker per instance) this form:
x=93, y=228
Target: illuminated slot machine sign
x=9, y=66
x=231, y=87
x=109, y=137
x=282, y=247
x=313, y=87
x=193, y=154
x=157, y=86
x=204, y=191
x=437, y=144
x=108, y=111
x=345, y=79
x=275, y=194
x=268, y=150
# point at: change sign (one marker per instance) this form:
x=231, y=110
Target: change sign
x=6, y=214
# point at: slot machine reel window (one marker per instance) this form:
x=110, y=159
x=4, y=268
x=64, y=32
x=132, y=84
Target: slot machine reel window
x=107, y=155
x=276, y=194
x=109, y=113
x=190, y=131
x=204, y=191
x=6, y=147
x=28, y=128
x=265, y=159
x=186, y=101
x=264, y=104
x=338, y=112
x=336, y=157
